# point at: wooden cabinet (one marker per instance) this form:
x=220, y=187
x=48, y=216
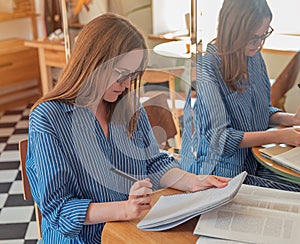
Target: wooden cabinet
x=19, y=73
x=19, y=66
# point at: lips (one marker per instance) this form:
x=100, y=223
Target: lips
x=118, y=92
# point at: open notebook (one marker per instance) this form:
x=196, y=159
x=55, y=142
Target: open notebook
x=172, y=210
x=287, y=156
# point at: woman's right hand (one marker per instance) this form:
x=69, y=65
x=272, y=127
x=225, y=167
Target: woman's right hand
x=139, y=199
x=290, y=136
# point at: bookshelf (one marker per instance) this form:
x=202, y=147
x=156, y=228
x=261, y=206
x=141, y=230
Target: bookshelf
x=22, y=9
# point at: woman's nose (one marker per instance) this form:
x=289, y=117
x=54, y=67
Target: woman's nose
x=126, y=83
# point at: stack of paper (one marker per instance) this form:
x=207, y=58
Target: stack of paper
x=286, y=156
x=172, y=210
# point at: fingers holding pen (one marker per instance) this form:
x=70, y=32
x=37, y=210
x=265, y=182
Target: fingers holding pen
x=141, y=188
x=141, y=192
x=139, y=198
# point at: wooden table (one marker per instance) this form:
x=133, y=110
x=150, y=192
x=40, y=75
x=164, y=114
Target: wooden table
x=175, y=49
x=51, y=54
x=171, y=36
x=288, y=174
x=127, y=232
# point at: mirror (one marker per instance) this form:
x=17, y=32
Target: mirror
x=142, y=14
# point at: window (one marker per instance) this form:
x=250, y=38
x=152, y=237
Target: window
x=286, y=16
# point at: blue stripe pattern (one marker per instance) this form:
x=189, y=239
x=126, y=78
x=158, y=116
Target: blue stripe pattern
x=222, y=116
x=68, y=166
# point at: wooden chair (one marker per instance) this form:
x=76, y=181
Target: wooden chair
x=285, y=81
x=155, y=76
x=26, y=187
x=161, y=119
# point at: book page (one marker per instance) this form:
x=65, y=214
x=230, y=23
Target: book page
x=172, y=210
x=268, y=198
x=272, y=151
x=290, y=159
x=210, y=240
x=256, y=214
x=249, y=224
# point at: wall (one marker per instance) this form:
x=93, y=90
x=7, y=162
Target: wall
x=137, y=11
x=95, y=9
x=16, y=28
x=169, y=15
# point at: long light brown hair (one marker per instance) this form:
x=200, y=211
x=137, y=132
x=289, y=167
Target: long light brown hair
x=99, y=46
x=238, y=21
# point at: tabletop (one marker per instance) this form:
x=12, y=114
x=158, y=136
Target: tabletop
x=127, y=232
x=45, y=43
x=175, y=49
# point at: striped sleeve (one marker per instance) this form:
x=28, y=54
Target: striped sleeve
x=213, y=122
x=52, y=179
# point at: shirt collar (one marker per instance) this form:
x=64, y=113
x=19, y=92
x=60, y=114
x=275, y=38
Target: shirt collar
x=68, y=107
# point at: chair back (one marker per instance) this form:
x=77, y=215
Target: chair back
x=154, y=76
x=285, y=81
x=161, y=119
x=25, y=183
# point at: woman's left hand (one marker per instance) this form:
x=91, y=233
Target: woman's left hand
x=202, y=182
x=185, y=181
x=297, y=117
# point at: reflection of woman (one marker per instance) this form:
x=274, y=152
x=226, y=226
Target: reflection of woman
x=233, y=107
x=86, y=125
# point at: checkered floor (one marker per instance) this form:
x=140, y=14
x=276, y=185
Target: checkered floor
x=17, y=218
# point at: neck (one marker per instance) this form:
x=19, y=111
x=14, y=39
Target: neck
x=101, y=110
x=101, y=115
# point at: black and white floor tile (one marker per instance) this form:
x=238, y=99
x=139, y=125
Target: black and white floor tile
x=17, y=217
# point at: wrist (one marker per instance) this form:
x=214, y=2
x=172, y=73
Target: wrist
x=187, y=181
x=278, y=136
x=122, y=211
x=295, y=120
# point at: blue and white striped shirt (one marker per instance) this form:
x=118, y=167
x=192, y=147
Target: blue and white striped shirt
x=68, y=166
x=223, y=116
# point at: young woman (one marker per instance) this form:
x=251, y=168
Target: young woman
x=233, y=110
x=90, y=123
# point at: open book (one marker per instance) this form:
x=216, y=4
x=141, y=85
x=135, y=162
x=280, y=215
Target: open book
x=172, y=210
x=255, y=215
x=288, y=157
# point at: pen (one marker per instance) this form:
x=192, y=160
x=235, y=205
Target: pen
x=119, y=172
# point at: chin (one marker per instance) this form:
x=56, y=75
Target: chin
x=251, y=53
x=110, y=99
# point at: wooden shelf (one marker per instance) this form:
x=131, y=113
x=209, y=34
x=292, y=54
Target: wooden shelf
x=22, y=9
x=12, y=16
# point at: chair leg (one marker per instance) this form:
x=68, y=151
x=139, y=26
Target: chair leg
x=38, y=217
x=174, y=111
